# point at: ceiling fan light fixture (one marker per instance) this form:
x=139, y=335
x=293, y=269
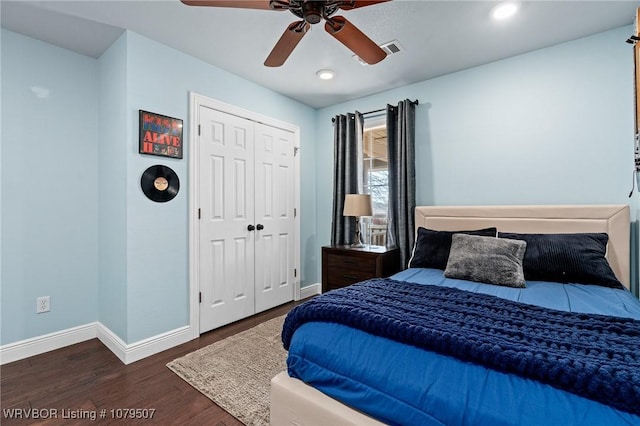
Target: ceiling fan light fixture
x=310, y=12
x=326, y=74
x=504, y=10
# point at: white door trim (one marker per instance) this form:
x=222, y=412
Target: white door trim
x=195, y=102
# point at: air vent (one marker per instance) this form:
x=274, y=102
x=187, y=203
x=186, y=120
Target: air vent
x=390, y=48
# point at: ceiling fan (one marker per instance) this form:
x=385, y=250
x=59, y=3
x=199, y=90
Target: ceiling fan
x=311, y=12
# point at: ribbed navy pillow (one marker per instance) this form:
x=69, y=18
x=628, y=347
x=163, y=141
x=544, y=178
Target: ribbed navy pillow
x=431, y=249
x=575, y=258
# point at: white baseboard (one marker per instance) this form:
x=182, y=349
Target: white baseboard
x=47, y=342
x=133, y=352
x=127, y=353
x=310, y=290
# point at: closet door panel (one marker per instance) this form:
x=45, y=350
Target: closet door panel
x=226, y=192
x=274, y=198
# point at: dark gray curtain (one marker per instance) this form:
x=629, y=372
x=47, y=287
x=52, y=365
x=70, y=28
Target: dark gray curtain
x=402, y=177
x=347, y=179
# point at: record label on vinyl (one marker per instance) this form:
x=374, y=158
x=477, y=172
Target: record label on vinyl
x=160, y=183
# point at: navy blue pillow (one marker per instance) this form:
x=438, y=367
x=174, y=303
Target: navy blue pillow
x=575, y=258
x=432, y=248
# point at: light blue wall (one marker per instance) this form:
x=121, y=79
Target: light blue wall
x=554, y=126
x=159, y=79
x=112, y=184
x=157, y=237
x=49, y=187
x=75, y=223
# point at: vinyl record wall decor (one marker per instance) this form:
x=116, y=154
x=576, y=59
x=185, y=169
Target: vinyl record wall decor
x=160, y=135
x=160, y=183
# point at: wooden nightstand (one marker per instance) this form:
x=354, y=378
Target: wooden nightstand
x=344, y=265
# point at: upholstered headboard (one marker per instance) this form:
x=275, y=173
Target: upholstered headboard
x=612, y=219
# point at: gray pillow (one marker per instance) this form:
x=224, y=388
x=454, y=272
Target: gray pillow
x=486, y=259
x=431, y=249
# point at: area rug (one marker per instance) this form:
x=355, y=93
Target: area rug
x=236, y=372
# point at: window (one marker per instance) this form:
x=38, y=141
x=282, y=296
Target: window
x=376, y=177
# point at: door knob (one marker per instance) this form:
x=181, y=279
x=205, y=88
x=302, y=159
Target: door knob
x=250, y=228
x=260, y=227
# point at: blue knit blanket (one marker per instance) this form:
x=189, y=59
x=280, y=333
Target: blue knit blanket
x=594, y=356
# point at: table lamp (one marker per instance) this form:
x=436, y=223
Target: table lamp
x=357, y=205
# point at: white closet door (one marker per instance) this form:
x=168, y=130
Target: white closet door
x=226, y=191
x=274, y=215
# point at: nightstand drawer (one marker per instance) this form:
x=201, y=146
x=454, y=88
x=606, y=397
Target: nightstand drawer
x=339, y=277
x=346, y=265
x=351, y=263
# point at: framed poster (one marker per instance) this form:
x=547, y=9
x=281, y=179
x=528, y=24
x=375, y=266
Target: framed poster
x=160, y=135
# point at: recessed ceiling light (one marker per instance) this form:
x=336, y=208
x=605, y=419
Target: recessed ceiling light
x=326, y=74
x=504, y=10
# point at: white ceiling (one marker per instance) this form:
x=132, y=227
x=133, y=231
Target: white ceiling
x=438, y=37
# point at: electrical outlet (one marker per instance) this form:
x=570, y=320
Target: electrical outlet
x=43, y=304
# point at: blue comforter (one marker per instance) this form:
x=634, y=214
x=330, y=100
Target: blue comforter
x=609, y=375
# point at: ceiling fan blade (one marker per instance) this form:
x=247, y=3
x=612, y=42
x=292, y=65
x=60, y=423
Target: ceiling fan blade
x=349, y=35
x=352, y=4
x=244, y=4
x=288, y=41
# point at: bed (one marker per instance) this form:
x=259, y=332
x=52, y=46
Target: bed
x=340, y=374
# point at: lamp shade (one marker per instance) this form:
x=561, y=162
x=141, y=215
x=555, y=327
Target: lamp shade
x=357, y=205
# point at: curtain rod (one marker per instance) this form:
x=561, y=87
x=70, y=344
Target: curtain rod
x=416, y=102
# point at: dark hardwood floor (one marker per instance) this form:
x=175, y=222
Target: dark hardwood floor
x=88, y=378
